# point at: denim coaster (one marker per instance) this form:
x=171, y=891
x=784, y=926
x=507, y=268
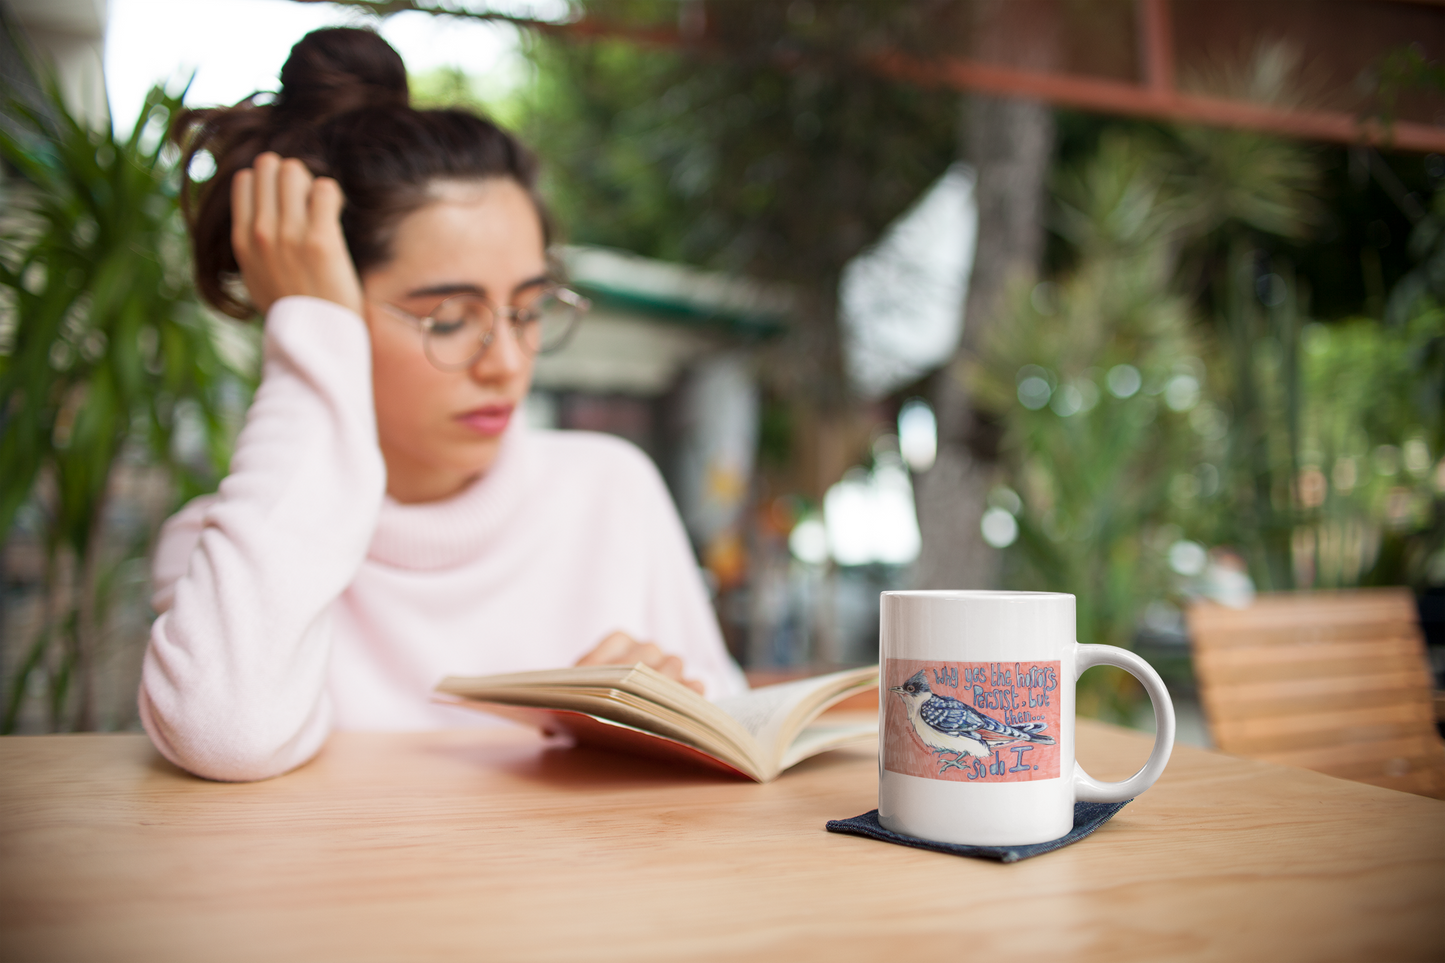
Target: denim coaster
x=1088, y=816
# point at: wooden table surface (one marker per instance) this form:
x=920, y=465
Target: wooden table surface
x=491, y=845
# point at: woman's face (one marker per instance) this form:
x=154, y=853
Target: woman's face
x=439, y=430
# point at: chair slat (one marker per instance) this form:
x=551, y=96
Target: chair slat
x=1286, y=636
x=1292, y=611
x=1392, y=663
x=1331, y=681
x=1276, y=708
x=1265, y=733
x=1327, y=653
x=1342, y=686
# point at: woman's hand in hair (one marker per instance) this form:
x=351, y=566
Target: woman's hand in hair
x=619, y=648
x=286, y=234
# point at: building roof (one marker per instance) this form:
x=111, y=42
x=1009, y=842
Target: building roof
x=652, y=319
x=677, y=293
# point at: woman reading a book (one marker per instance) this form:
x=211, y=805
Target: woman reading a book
x=388, y=520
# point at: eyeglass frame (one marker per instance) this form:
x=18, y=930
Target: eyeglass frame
x=508, y=312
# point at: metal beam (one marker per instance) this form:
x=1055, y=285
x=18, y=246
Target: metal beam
x=1156, y=43
x=1152, y=103
x=1156, y=99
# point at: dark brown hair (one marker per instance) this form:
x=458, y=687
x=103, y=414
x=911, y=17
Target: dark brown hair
x=344, y=109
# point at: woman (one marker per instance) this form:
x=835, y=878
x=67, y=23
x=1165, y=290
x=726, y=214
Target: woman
x=387, y=520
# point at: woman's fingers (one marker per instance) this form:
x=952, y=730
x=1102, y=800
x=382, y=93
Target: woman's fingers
x=672, y=667
x=620, y=648
x=253, y=229
x=286, y=234
x=243, y=212
x=326, y=245
x=243, y=239
x=293, y=190
x=325, y=207
x=263, y=222
x=612, y=650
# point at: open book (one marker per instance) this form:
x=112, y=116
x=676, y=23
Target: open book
x=757, y=734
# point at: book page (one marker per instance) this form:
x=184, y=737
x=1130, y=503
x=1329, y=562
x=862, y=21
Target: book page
x=751, y=730
x=655, y=693
x=622, y=707
x=577, y=675
x=822, y=736
x=639, y=679
x=609, y=733
x=762, y=712
x=773, y=714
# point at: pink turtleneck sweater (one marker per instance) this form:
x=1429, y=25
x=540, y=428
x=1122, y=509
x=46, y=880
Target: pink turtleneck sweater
x=300, y=598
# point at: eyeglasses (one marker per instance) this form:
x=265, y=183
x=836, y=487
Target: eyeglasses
x=459, y=331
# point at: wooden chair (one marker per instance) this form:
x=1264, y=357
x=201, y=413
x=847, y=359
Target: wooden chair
x=1331, y=681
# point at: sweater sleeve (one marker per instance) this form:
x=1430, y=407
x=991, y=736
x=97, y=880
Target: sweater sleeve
x=682, y=618
x=233, y=685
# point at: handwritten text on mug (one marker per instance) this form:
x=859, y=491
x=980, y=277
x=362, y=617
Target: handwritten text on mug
x=972, y=721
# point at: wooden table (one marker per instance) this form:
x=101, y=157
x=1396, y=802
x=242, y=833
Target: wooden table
x=491, y=845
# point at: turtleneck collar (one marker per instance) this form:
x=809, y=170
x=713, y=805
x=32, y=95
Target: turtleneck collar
x=447, y=533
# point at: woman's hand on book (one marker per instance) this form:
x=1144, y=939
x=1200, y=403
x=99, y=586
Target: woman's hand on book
x=286, y=234
x=619, y=648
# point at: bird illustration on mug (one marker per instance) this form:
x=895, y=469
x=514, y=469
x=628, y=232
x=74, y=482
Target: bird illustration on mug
x=946, y=725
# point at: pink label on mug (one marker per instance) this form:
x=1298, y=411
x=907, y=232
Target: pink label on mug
x=971, y=721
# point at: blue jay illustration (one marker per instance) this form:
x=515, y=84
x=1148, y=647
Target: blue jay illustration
x=944, y=724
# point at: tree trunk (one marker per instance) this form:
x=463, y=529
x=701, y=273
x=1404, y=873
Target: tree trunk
x=1010, y=144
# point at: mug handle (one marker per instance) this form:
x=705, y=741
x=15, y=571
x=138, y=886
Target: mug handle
x=1086, y=787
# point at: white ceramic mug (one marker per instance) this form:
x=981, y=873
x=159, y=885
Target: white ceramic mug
x=976, y=717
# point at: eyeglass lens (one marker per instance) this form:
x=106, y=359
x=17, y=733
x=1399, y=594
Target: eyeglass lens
x=459, y=329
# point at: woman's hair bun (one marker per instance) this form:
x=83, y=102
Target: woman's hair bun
x=344, y=111
x=333, y=72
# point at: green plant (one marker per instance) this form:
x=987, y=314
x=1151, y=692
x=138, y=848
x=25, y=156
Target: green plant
x=104, y=355
x=1401, y=71
x=1331, y=434
x=1330, y=467
x=1237, y=191
x=1371, y=481
x=1091, y=376
x=1256, y=388
x=1312, y=450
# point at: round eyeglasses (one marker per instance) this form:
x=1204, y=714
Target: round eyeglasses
x=459, y=331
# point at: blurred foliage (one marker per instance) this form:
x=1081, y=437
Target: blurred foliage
x=1426, y=248
x=594, y=114
x=1253, y=424
x=1090, y=375
x=1371, y=484
x=1224, y=182
x=1235, y=188
x=1403, y=71
x=1168, y=385
x=445, y=87
x=1294, y=409
x=105, y=359
x=1335, y=478
x=454, y=87
x=1195, y=258
x=767, y=150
